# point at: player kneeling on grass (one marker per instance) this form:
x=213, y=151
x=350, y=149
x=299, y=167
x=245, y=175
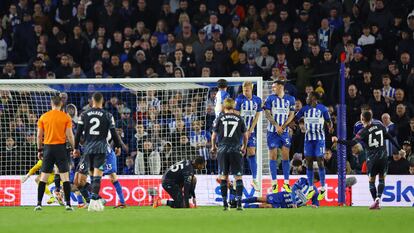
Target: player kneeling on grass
x=179, y=182
x=301, y=193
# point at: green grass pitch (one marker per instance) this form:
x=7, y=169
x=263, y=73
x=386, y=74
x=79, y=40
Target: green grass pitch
x=207, y=220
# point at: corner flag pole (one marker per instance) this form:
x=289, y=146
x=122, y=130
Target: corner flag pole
x=341, y=134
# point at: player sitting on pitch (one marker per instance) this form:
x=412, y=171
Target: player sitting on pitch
x=300, y=195
x=179, y=182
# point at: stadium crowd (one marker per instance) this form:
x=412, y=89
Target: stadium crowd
x=281, y=39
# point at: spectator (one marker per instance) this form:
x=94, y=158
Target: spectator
x=330, y=162
x=253, y=45
x=8, y=71
x=129, y=168
x=377, y=104
x=398, y=165
x=147, y=161
x=213, y=25
x=391, y=129
x=407, y=147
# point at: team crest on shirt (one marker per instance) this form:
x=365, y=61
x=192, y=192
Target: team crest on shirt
x=318, y=114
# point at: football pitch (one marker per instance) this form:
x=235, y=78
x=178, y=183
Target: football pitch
x=207, y=220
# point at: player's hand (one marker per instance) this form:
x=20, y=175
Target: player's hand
x=243, y=150
x=331, y=130
x=117, y=151
x=402, y=153
x=25, y=178
x=75, y=153
x=40, y=155
x=315, y=206
x=279, y=130
x=294, y=206
x=334, y=139
x=213, y=150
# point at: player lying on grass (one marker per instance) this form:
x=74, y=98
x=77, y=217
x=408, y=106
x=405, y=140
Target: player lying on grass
x=50, y=180
x=300, y=195
x=179, y=182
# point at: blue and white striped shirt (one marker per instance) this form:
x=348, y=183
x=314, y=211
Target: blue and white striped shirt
x=248, y=108
x=280, y=109
x=389, y=92
x=200, y=137
x=218, y=102
x=315, y=118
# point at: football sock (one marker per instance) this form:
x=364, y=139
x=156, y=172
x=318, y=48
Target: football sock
x=66, y=190
x=239, y=190
x=309, y=174
x=170, y=203
x=250, y=200
x=88, y=187
x=57, y=182
x=85, y=193
x=381, y=186
x=40, y=191
x=373, y=190
x=322, y=177
x=223, y=188
x=79, y=198
x=253, y=165
x=96, y=186
x=273, y=169
x=286, y=169
x=118, y=189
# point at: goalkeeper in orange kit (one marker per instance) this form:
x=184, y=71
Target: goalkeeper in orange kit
x=50, y=180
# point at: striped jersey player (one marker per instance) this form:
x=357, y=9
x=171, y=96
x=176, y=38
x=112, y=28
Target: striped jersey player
x=279, y=108
x=301, y=193
x=221, y=95
x=315, y=116
x=249, y=107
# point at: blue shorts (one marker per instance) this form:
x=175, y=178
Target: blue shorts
x=276, y=199
x=252, y=140
x=315, y=148
x=275, y=140
x=110, y=165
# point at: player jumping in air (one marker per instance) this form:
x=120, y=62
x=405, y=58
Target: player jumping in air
x=249, y=107
x=315, y=116
x=230, y=130
x=95, y=123
x=179, y=182
x=300, y=195
x=373, y=136
x=279, y=108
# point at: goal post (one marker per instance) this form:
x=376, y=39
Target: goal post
x=161, y=120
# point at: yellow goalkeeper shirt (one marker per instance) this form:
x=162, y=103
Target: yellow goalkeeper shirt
x=37, y=167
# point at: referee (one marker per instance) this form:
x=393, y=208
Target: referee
x=230, y=130
x=54, y=128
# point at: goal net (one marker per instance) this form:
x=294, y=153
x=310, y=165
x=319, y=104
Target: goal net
x=160, y=121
